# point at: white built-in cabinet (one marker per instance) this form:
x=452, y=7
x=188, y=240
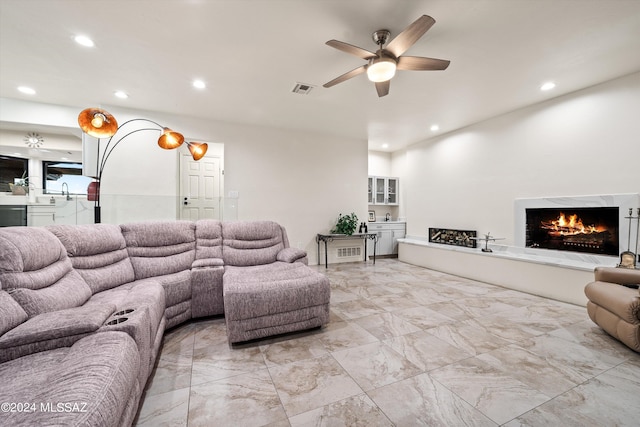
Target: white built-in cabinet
x=40, y=216
x=383, y=190
x=388, y=235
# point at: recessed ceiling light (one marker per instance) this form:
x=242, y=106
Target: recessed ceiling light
x=385, y=145
x=121, y=94
x=27, y=90
x=434, y=128
x=84, y=41
x=547, y=86
x=199, y=84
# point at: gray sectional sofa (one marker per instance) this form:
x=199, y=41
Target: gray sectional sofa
x=83, y=308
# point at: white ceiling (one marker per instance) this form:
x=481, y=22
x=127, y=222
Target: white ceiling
x=252, y=53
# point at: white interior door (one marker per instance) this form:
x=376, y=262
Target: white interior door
x=200, y=188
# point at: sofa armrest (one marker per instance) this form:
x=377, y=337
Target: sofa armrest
x=207, y=262
x=54, y=329
x=621, y=276
x=622, y=301
x=291, y=255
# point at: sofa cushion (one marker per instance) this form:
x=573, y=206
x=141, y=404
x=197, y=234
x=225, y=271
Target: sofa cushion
x=11, y=314
x=36, y=272
x=251, y=292
x=67, y=292
x=98, y=372
x=251, y=242
x=98, y=252
x=158, y=248
x=208, y=239
x=28, y=249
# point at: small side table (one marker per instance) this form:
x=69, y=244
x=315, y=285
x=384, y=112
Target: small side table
x=331, y=237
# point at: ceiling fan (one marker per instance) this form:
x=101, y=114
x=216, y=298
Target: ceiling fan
x=382, y=64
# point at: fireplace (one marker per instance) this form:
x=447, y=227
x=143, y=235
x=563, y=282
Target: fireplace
x=592, y=230
x=560, y=236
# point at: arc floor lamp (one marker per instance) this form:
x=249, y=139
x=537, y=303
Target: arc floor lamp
x=101, y=124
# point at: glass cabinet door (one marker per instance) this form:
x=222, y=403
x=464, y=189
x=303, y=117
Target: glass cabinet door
x=380, y=191
x=392, y=191
x=370, y=192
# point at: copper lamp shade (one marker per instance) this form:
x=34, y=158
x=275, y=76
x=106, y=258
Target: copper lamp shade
x=97, y=122
x=197, y=149
x=170, y=139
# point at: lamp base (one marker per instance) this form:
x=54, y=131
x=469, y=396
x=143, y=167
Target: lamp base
x=96, y=214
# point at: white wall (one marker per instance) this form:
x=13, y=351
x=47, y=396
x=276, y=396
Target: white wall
x=584, y=143
x=379, y=163
x=300, y=180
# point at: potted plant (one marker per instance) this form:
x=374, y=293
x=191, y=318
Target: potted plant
x=21, y=187
x=346, y=224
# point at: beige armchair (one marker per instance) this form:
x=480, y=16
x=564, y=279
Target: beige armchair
x=614, y=307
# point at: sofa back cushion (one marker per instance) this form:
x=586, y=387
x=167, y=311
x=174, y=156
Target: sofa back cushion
x=98, y=253
x=11, y=314
x=157, y=248
x=247, y=243
x=208, y=239
x=36, y=272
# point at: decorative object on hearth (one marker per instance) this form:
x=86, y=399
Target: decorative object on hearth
x=445, y=236
x=33, y=140
x=628, y=257
x=381, y=66
x=346, y=224
x=100, y=123
x=486, y=239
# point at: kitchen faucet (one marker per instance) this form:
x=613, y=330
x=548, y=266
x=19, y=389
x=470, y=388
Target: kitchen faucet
x=68, y=195
x=387, y=217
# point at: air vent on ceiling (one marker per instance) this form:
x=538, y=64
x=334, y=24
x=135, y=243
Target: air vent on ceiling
x=302, y=88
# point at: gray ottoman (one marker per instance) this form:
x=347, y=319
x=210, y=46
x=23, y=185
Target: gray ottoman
x=271, y=299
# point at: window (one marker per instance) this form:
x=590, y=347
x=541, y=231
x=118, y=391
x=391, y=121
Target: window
x=11, y=170
x=58, y=173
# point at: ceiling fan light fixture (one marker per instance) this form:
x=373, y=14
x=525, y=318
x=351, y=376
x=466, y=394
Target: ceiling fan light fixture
x=381, y=69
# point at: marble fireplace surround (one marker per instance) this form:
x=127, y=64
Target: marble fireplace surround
x=623, y=201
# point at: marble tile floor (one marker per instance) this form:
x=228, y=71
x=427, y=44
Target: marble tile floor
x=406, y=346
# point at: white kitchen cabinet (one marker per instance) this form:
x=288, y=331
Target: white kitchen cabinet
x=388, y=235
x=39, y=216
x=383, y=191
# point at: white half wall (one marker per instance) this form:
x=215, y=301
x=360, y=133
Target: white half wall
x=559, y=283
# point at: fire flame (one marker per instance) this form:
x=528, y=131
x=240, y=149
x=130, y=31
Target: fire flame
x=569, y=226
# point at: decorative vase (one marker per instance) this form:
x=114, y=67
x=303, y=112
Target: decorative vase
x=19, y=190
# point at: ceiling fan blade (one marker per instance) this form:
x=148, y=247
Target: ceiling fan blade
x=383, y=88
x=418, y=63
x=346, y=76
x=349, y=48
x=410, y=35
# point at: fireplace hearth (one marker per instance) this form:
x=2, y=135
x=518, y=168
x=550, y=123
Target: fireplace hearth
x=592, y=230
